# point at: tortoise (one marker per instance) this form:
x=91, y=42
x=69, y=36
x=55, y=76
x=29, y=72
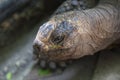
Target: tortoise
x=75, y=31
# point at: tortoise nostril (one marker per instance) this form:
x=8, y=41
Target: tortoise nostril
x=37, y=46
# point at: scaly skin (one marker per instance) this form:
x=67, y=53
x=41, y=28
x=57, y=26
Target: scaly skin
x=77, y=33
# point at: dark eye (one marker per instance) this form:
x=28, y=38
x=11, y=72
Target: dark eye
x=57, y=39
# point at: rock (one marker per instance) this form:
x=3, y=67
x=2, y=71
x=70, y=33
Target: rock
x=5, y=69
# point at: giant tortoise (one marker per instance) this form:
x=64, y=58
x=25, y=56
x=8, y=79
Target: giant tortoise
x=78, y=29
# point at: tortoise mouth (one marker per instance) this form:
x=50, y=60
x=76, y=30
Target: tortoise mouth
x=51, y=55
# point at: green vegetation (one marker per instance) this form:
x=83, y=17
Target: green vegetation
x=42, y=72
x=9, y=76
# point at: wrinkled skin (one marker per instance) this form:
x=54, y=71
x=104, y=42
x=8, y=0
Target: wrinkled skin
x=74, y=34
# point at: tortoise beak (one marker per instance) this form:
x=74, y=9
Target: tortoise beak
x=37, y=46
x=38, y=49
x=42, y=37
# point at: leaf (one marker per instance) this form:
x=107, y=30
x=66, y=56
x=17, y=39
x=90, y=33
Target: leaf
x=9, y=76
x=42, y=72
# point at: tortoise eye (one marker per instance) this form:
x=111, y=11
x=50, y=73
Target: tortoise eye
x=57, y=39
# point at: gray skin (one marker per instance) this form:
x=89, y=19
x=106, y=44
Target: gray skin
x=76, y=33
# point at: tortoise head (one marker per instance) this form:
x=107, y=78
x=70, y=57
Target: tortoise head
x=55, y=40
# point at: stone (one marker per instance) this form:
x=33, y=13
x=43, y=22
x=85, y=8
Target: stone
x=108, y=66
